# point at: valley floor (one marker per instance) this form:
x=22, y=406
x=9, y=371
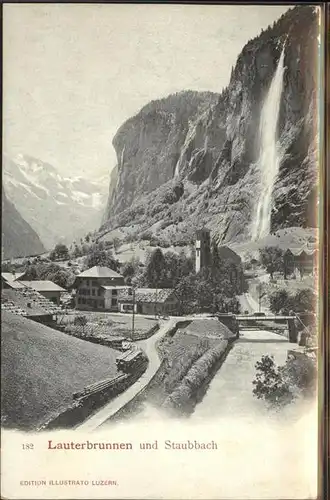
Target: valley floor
x=230, y=391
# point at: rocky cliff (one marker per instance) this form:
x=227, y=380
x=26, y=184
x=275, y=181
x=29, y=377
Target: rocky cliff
x=18, y=237
x=192, y=159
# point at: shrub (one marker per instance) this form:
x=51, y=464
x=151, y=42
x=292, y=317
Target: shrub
x=183, y=363
x=195, y=377
x=179, y=397
x=80, y=321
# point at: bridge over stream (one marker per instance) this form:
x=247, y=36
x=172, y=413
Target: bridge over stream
x=258, y=322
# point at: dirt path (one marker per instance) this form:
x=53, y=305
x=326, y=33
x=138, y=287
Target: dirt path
x=149, y=346
x=230, y=392
x=250, y=304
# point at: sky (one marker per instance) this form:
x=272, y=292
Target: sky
x=73, y=73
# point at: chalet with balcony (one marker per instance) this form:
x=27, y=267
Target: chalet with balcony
x=301, y=261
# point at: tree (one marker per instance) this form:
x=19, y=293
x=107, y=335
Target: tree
x=85, y=248
x=205, y=291
x=131, y=268
x=104, y=258
x=304, y=301
x=61, y=278
x=227, y=272
x=171, y=271
x=232, y=305
x=77, y=251
x=116, y=244
x=186, y=264
x=60, y=252
x=215, y=257
x=278, y=301
x=155, y=269
x=49, y=271
x=185, y=292
x=269, y=383
x=272, y=258
x=30, y=273
x=282, y=385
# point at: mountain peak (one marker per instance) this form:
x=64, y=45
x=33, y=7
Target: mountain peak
x=54, y=205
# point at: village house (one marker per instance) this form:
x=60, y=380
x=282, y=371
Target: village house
x=30, y=304
x=149, y=301
x=46, y=288
x=103, y=289
x=97, y=288
x=300, y=261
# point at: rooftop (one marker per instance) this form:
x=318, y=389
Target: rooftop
x=210, y=327
x=27, y=302
x=228, y=254
x=152, y=295
x=14, y=284
x=43, y=286
x=99, y=272
x=306, y=249
x=11, y=276
x=114, y=287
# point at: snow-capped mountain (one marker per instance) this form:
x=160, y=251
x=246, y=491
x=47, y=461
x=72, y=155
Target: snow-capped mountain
x=58, y=208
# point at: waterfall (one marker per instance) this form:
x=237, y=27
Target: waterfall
x=269, y=155
x=122, y=156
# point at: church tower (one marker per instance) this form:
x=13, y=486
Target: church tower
x=203, y=249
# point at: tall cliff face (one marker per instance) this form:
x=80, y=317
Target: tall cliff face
x=192, y=159
x=149, y=144
x=18, y=237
